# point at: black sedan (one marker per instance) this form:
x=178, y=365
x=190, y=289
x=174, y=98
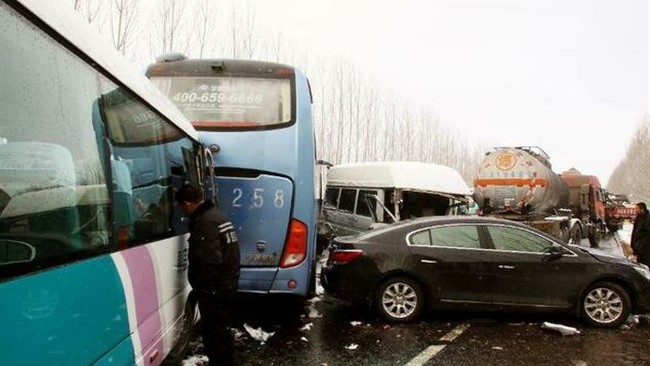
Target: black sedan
x=481, y=263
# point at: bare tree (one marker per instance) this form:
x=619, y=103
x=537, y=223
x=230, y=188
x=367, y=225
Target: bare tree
x=90, y=9
x=633, y=172
x=168, y=34
x=123, y=17
x=206, y=15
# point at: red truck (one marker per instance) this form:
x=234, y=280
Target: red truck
x=618, y=210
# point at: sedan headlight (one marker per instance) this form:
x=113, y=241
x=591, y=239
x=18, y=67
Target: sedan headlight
x=643, y=270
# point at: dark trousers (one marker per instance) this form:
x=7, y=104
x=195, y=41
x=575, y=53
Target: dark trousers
x=216, y=316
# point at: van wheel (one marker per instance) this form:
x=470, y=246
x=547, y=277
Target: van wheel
x=399, y=299
x=605, y=305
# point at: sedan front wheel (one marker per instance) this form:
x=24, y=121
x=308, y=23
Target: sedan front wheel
x=399, y=299
x=605, y=305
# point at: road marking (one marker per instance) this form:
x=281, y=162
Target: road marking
x=433, y=350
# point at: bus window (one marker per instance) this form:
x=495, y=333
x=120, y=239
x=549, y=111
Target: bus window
x=90, y=154
x=230, y=102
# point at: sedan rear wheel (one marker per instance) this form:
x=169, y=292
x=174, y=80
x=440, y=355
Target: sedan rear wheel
x=399, y=299
x=606, y=305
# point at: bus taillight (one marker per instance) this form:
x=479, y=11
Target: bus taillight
x=295, y=248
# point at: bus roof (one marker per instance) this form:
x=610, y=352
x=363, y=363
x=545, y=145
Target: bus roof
x=409, y=175
x=85, y=38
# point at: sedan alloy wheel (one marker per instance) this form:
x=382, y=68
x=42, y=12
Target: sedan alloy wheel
x=606, y=305
x=399, y=299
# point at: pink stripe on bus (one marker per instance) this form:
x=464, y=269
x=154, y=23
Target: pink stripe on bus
x=145, y=292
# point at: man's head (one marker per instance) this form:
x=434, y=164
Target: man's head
x=189, y=198
x=641, y=209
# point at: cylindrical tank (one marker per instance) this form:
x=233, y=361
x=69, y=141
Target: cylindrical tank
x=520, y=180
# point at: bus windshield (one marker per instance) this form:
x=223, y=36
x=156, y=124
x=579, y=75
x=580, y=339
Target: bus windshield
x=230, y=102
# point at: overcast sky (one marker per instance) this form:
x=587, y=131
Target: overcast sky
x=570, y=76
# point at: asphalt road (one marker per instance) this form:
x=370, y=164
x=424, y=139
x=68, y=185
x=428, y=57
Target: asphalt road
x=325, y=331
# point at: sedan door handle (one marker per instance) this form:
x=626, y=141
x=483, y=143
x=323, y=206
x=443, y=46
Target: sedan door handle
x=503, y=266
x=428, y=261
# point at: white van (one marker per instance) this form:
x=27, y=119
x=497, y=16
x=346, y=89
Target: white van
x=361, y=196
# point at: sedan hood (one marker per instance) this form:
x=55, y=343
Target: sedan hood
x=601, y=255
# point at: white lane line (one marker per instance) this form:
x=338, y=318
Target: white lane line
x=433, y=350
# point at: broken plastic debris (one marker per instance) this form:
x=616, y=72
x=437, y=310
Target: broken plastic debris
x=257, y=333
x=355, y=323
x=307, y=327
x=498, y=348
x=195, y=360
x=353, y=346
x=237, y=334
x=314, y=300
x=304, y=339
x=313, y=313
x=563, y=329
x=320, y=290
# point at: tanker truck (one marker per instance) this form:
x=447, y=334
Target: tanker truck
x=518, y=183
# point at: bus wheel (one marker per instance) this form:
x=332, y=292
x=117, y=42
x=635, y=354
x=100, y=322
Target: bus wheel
x=186, y=325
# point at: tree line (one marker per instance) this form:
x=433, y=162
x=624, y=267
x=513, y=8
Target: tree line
x=632, y=175
x=356, y=120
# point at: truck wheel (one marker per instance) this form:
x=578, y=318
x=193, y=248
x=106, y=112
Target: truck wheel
x=575, y=235
x=594, y=237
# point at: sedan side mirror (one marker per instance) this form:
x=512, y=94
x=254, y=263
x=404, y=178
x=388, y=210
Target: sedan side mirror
x=555, y=251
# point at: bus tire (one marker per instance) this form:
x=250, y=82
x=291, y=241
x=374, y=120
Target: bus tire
x=187, y=323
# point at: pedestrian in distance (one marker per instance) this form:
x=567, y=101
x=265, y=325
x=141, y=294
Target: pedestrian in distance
x=640, y=240
x=213, y=271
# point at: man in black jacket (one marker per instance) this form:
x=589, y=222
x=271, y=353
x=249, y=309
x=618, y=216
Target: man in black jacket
x=213, y=271
x=641, y=234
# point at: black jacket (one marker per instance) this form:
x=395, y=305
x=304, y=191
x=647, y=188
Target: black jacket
x=641, y=237
x=213, y=250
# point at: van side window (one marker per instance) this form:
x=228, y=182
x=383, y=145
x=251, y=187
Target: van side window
x=362, y=206
x=346, y=201
x=332, y=197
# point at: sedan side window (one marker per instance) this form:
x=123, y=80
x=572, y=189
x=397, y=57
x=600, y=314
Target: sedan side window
x=460, y=236
x=517, y=240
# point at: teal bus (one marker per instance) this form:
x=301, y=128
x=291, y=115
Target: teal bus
x=93, y=251
x=256, y=118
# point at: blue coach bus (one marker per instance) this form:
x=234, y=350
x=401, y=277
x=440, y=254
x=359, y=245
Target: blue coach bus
x=93, y=251
x=256, y=117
